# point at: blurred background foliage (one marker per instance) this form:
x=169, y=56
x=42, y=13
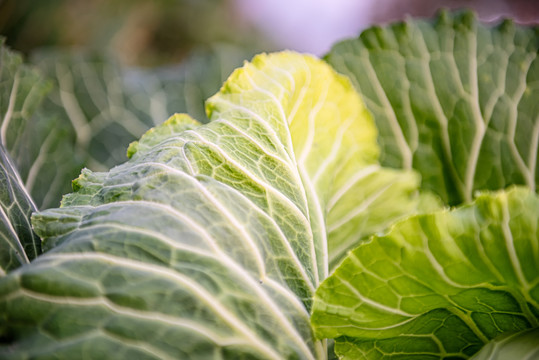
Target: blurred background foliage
x=156, y=32
x=137, y=32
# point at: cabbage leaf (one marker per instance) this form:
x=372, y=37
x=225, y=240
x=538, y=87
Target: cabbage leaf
x=452, y=98
x=437, y=285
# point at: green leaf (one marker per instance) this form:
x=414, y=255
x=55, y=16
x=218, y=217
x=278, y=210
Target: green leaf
x=522, y=345
x=18, y=243
x=453, y=99
x=437, y=285
x=210, y=241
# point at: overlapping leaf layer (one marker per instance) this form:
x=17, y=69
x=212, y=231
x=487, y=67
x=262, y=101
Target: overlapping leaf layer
x=210, y=241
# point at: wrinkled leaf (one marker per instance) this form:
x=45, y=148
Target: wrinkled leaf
x=452, y=98
x=210, y=234
x=437, y=285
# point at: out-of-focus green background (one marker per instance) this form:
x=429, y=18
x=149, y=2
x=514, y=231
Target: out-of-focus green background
x=137, y=32
x=155, y=32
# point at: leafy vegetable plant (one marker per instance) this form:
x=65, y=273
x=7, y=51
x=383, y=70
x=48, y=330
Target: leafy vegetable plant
x=295, y=215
